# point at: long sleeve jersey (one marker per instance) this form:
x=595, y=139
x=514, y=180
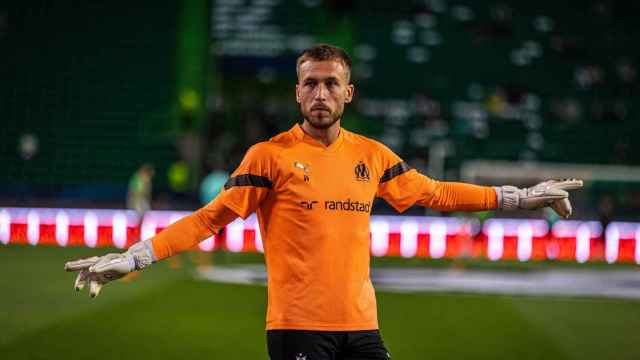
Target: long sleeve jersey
x=313, y=204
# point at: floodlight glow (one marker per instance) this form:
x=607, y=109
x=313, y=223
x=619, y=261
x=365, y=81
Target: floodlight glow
x=119, y=233
x=258, y=238
x=148, y=229
x=33, y=227
x=90, y=229
x=437, y=239
x=525, y=241
x=235, y=236
x=379, y=238
x=612, y=241
x=495, y=245
x=5, y=226
x=638, y=244
x=583, y=243
x=207, y=244
x=62, y=228
x=408, y=239
x=552, y=250
x=175, y=217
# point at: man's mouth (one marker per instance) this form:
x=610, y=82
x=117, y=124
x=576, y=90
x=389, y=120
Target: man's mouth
x=320, y=108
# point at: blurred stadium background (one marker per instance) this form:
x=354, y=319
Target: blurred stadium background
x=498, y=92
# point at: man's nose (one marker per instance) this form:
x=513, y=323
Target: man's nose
x=321, y=92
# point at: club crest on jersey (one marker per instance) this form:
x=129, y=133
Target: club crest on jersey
x=362, y=172
x=304, y=168
x=299, y=356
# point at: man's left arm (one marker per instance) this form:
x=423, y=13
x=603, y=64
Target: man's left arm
x=403, y=186
x=456, y=196
x=452, y=196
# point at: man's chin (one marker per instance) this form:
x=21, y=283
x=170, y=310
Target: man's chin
x=321, y=123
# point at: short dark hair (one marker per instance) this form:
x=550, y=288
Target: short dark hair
x=324, y=52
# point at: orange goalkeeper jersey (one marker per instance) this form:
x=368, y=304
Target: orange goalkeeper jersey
x=313, y=204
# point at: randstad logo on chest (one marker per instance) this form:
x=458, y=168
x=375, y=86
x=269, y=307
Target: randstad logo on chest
x=348, y=205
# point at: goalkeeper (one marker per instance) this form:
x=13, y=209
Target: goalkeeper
x=312, y=188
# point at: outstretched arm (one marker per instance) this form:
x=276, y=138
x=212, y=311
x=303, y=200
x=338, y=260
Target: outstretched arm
x=456, y=196
x=192, y=229
x=412, y=187
x=249, y=184
x=402, y=186
x=177, y=237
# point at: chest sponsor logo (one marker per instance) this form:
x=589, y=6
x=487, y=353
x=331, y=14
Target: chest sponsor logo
x=348, y=205
x=362, y=172
x=308, y=204
x=339, y=205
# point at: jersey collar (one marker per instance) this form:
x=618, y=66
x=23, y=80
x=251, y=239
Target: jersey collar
x=299, y=134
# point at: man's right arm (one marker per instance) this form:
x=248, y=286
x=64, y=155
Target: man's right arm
x=247, y=187
x=177, y=237
x=192, y=229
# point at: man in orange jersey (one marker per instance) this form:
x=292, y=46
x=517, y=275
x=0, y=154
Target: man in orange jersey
x=312, y=188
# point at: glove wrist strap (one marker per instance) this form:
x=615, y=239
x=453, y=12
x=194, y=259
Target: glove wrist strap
x=508, y=197
x=140, y=255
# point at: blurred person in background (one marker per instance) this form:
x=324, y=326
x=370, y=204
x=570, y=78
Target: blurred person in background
x=212, y=184
x=312, y=188
x=140, y=189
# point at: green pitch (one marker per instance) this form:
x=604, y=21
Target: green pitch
x=165, y=314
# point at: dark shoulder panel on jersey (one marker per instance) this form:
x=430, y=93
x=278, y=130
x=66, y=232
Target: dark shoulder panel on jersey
x=248, y=180
x=255, y=168
x=256, y=175
x=396, y=170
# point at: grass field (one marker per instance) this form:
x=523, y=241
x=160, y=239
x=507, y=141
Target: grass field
x=164, y=313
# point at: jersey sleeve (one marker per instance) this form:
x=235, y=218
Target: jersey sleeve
x=403, y=186
x=192, y=229
x=250, y=183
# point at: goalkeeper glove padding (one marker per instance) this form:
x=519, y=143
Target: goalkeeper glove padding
x=100, y=270
x=552, y=193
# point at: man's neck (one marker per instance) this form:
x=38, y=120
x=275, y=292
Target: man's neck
x=325, y=136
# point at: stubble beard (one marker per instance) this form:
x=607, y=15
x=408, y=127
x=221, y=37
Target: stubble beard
x=322, y=123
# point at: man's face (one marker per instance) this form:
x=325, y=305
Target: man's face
x=322, y=90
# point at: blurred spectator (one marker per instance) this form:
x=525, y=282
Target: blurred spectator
x=427, y=107
x=588, y=76
x=178, y=176
x=496, y=103
x=28, y=146
x=568, y=110
x=606, y=208
x=568, y=46
x=139, y=193
x=626, y=72
x=212, y=184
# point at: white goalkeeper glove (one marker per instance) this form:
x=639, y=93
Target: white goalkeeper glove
x=99, y=270
x=552, y=193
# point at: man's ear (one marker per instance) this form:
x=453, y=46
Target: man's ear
x=350, y=91
x=298, y=99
